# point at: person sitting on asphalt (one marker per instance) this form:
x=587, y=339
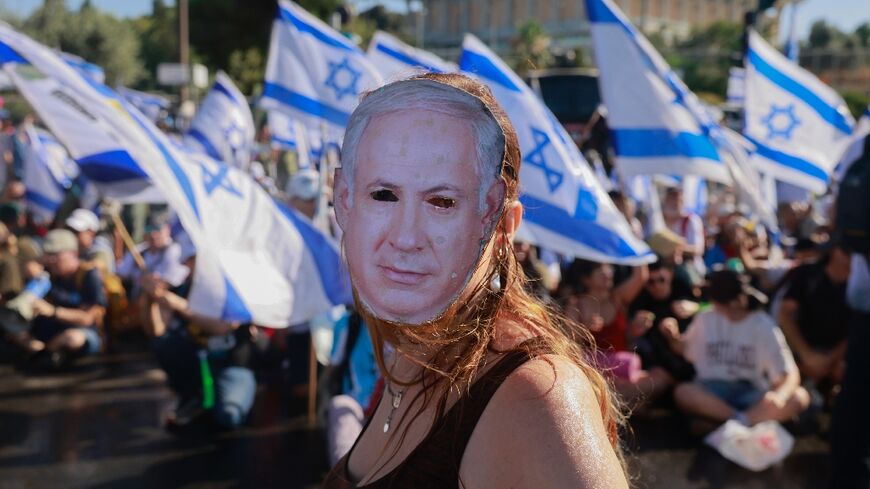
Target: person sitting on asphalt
x=663, y=298
x=814, y=316
x=191, y=347
x=744, y=369
x=66, y=322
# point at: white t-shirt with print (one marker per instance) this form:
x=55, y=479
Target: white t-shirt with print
x=753, y=349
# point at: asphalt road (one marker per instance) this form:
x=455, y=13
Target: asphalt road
x=101, y=426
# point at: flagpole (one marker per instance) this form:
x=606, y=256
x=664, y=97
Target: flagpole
x=128, y=240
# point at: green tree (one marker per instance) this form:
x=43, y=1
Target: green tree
x=246, y=68
x=706, y=56
x=532, y=48
x=158, y=33
x=97, y=37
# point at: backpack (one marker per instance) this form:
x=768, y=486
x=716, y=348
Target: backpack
x=116, y=316
x=853, y=204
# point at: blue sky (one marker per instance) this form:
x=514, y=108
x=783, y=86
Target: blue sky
x=845, y=14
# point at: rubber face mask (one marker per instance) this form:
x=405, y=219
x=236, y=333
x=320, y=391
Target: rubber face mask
x=416, y=219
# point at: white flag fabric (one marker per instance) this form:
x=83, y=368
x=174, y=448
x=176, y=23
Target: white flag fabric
x=396, y=60
x=148, y=103
x=856, y=147
x=255, y=261
x=289, y=134
x=91, y=141
x=88, y=69
x=566, y=209
x=47, y=174
x=223, y=128
x=694, y=194
x=314, y=73
x=656, y=123
x=736, y=86
x=800, y=125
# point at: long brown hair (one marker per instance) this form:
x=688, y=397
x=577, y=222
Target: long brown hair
x=461, y=336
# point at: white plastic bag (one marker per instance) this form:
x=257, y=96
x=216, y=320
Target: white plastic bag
x=755, y=448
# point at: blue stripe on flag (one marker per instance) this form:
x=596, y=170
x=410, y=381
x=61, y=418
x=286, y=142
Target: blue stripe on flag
x=179, y=174
x=827, y=112
x=219, y=87
x=404, y=58
x=41, y=200
x=587, y=233
x=483, y=66
x=234, y=307
x=599, y=12
x=301, y=25
x=9, y=55
x=110, y=166
x=305, y=104
x=640, y=143
x=199, y=137
x=790, y=161
x=335, y=284
x=284, y=142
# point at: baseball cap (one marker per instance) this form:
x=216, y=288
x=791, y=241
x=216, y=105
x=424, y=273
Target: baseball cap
x=83, y=220
x=59, y=240
x=304, y=185
x=156, y=221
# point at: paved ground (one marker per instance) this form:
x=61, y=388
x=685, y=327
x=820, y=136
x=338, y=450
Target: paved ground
x=101, y=427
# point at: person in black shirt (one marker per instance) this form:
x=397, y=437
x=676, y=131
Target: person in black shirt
x=665, y=297
x=814, y=315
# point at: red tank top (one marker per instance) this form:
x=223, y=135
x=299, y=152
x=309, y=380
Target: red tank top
x=613, y=335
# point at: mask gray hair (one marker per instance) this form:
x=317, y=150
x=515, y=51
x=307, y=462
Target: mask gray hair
x=421, y=94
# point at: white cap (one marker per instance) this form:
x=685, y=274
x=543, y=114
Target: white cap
x=83, y=220
x=304, y=185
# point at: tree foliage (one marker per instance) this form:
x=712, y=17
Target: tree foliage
x=532, y=48
x=98, y=37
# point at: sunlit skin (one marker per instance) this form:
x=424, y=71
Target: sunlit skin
x=413, y=225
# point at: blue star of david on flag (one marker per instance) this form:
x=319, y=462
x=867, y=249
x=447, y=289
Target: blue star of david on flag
x=213, y=181
x=536, y=159
x=780, y=121
x=343, y=78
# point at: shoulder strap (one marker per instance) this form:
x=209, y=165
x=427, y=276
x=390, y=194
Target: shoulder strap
x=460, y=421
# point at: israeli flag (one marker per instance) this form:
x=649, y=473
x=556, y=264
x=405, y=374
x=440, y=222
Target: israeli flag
x=657, y=124
x=255, y=262
x=87, y=69
x=396, y=60
x=92, y=142
x=148, y=103
x=799, y=125
x=694, y=194
x=288, y=134
x=856, y=147
x=47, y=174
x=223, y=128
x=566, y=209
x=736, y=90
x=314, y=73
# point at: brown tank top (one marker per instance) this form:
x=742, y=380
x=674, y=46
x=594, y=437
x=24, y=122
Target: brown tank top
x=434, y=463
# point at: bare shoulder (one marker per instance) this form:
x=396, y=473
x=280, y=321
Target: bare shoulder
x=542, y=428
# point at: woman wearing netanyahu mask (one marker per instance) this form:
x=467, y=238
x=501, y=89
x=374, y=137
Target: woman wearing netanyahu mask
x=485, y=388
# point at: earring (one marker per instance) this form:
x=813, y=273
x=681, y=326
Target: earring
x=495, y=282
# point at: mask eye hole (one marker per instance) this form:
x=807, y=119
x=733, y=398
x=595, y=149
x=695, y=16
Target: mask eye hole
x=443, y=202
x=384, y=195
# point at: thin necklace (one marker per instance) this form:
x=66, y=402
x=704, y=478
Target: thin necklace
x=397, y=400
